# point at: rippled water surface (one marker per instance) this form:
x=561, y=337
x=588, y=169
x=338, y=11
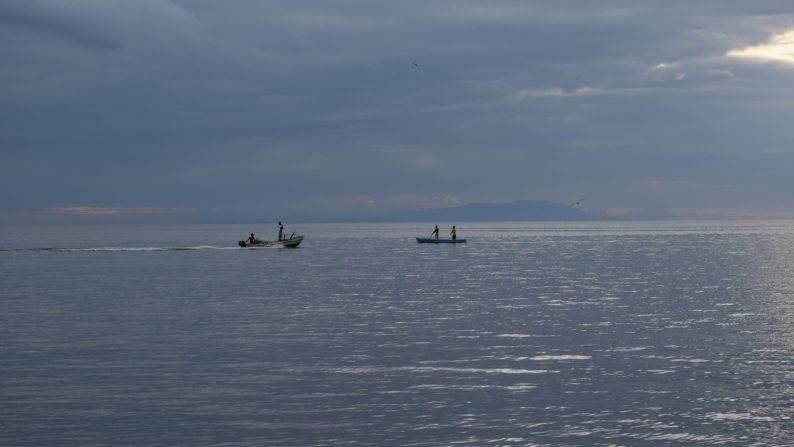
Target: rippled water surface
x=585, y=334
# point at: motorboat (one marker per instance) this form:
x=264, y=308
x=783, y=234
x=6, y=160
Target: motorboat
x=291, y=242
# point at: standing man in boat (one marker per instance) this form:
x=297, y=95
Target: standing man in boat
x=454, y=233
x=280, y=231
x=435, y=232
x=251, y=238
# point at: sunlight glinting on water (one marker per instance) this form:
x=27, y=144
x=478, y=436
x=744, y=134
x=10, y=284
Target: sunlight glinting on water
x=530, y=334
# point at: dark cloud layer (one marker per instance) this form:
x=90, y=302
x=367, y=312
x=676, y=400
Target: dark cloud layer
x=256, y=109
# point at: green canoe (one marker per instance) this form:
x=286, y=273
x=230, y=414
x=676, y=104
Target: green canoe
x=430, y=240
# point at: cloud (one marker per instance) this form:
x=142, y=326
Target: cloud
x=92, y=211
x=97, y=23
x=329, y=22
x=666, y=65
x=779, y=48
x=532, y=12
x=98, y=215
x=554, y=92
x=58, y=20
x=293, y=105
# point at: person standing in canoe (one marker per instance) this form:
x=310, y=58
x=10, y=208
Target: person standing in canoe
x=280, y=231
x=454, y=233
x=435, y=233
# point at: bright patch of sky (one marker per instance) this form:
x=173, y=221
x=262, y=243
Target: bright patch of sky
x=779, y=48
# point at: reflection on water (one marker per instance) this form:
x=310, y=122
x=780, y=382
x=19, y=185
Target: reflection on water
x=531, y=334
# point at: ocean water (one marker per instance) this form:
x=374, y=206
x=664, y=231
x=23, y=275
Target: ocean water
x=531, y=334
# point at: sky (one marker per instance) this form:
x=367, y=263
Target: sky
x=239, y=110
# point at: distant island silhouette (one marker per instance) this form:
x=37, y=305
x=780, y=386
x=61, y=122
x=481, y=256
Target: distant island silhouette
x=533, y=210
x=521, y=210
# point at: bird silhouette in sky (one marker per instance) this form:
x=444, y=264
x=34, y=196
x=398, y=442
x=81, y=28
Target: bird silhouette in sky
x=415, y=64
x=577, y=202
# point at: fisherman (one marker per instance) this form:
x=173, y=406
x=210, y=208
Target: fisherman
x=454, y=233
x=251, y=239
x=435, y=232
x=280, y=231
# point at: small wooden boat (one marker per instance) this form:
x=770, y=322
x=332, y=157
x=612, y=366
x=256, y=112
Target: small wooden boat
x=430, y=240
x=290, y=242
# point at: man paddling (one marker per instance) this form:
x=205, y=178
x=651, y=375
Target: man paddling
x=454, y=233
x=435, y=232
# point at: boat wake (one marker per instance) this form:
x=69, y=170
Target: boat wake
x=116, y=249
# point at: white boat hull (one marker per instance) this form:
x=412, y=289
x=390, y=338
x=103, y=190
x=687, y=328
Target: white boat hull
x=291, y=243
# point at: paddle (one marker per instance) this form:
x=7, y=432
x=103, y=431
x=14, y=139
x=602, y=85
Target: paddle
x=434, y=232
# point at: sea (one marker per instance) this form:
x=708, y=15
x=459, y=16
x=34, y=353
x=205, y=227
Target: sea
x=530, y=334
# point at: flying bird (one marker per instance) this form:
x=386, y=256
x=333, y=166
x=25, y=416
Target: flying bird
x=577, y=202
x=415, y=64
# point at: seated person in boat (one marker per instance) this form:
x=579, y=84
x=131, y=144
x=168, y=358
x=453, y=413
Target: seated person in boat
x=252, y=239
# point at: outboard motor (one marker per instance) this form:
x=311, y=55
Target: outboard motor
x=241, y=244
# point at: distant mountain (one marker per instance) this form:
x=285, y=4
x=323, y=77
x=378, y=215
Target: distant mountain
x=514, y=211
